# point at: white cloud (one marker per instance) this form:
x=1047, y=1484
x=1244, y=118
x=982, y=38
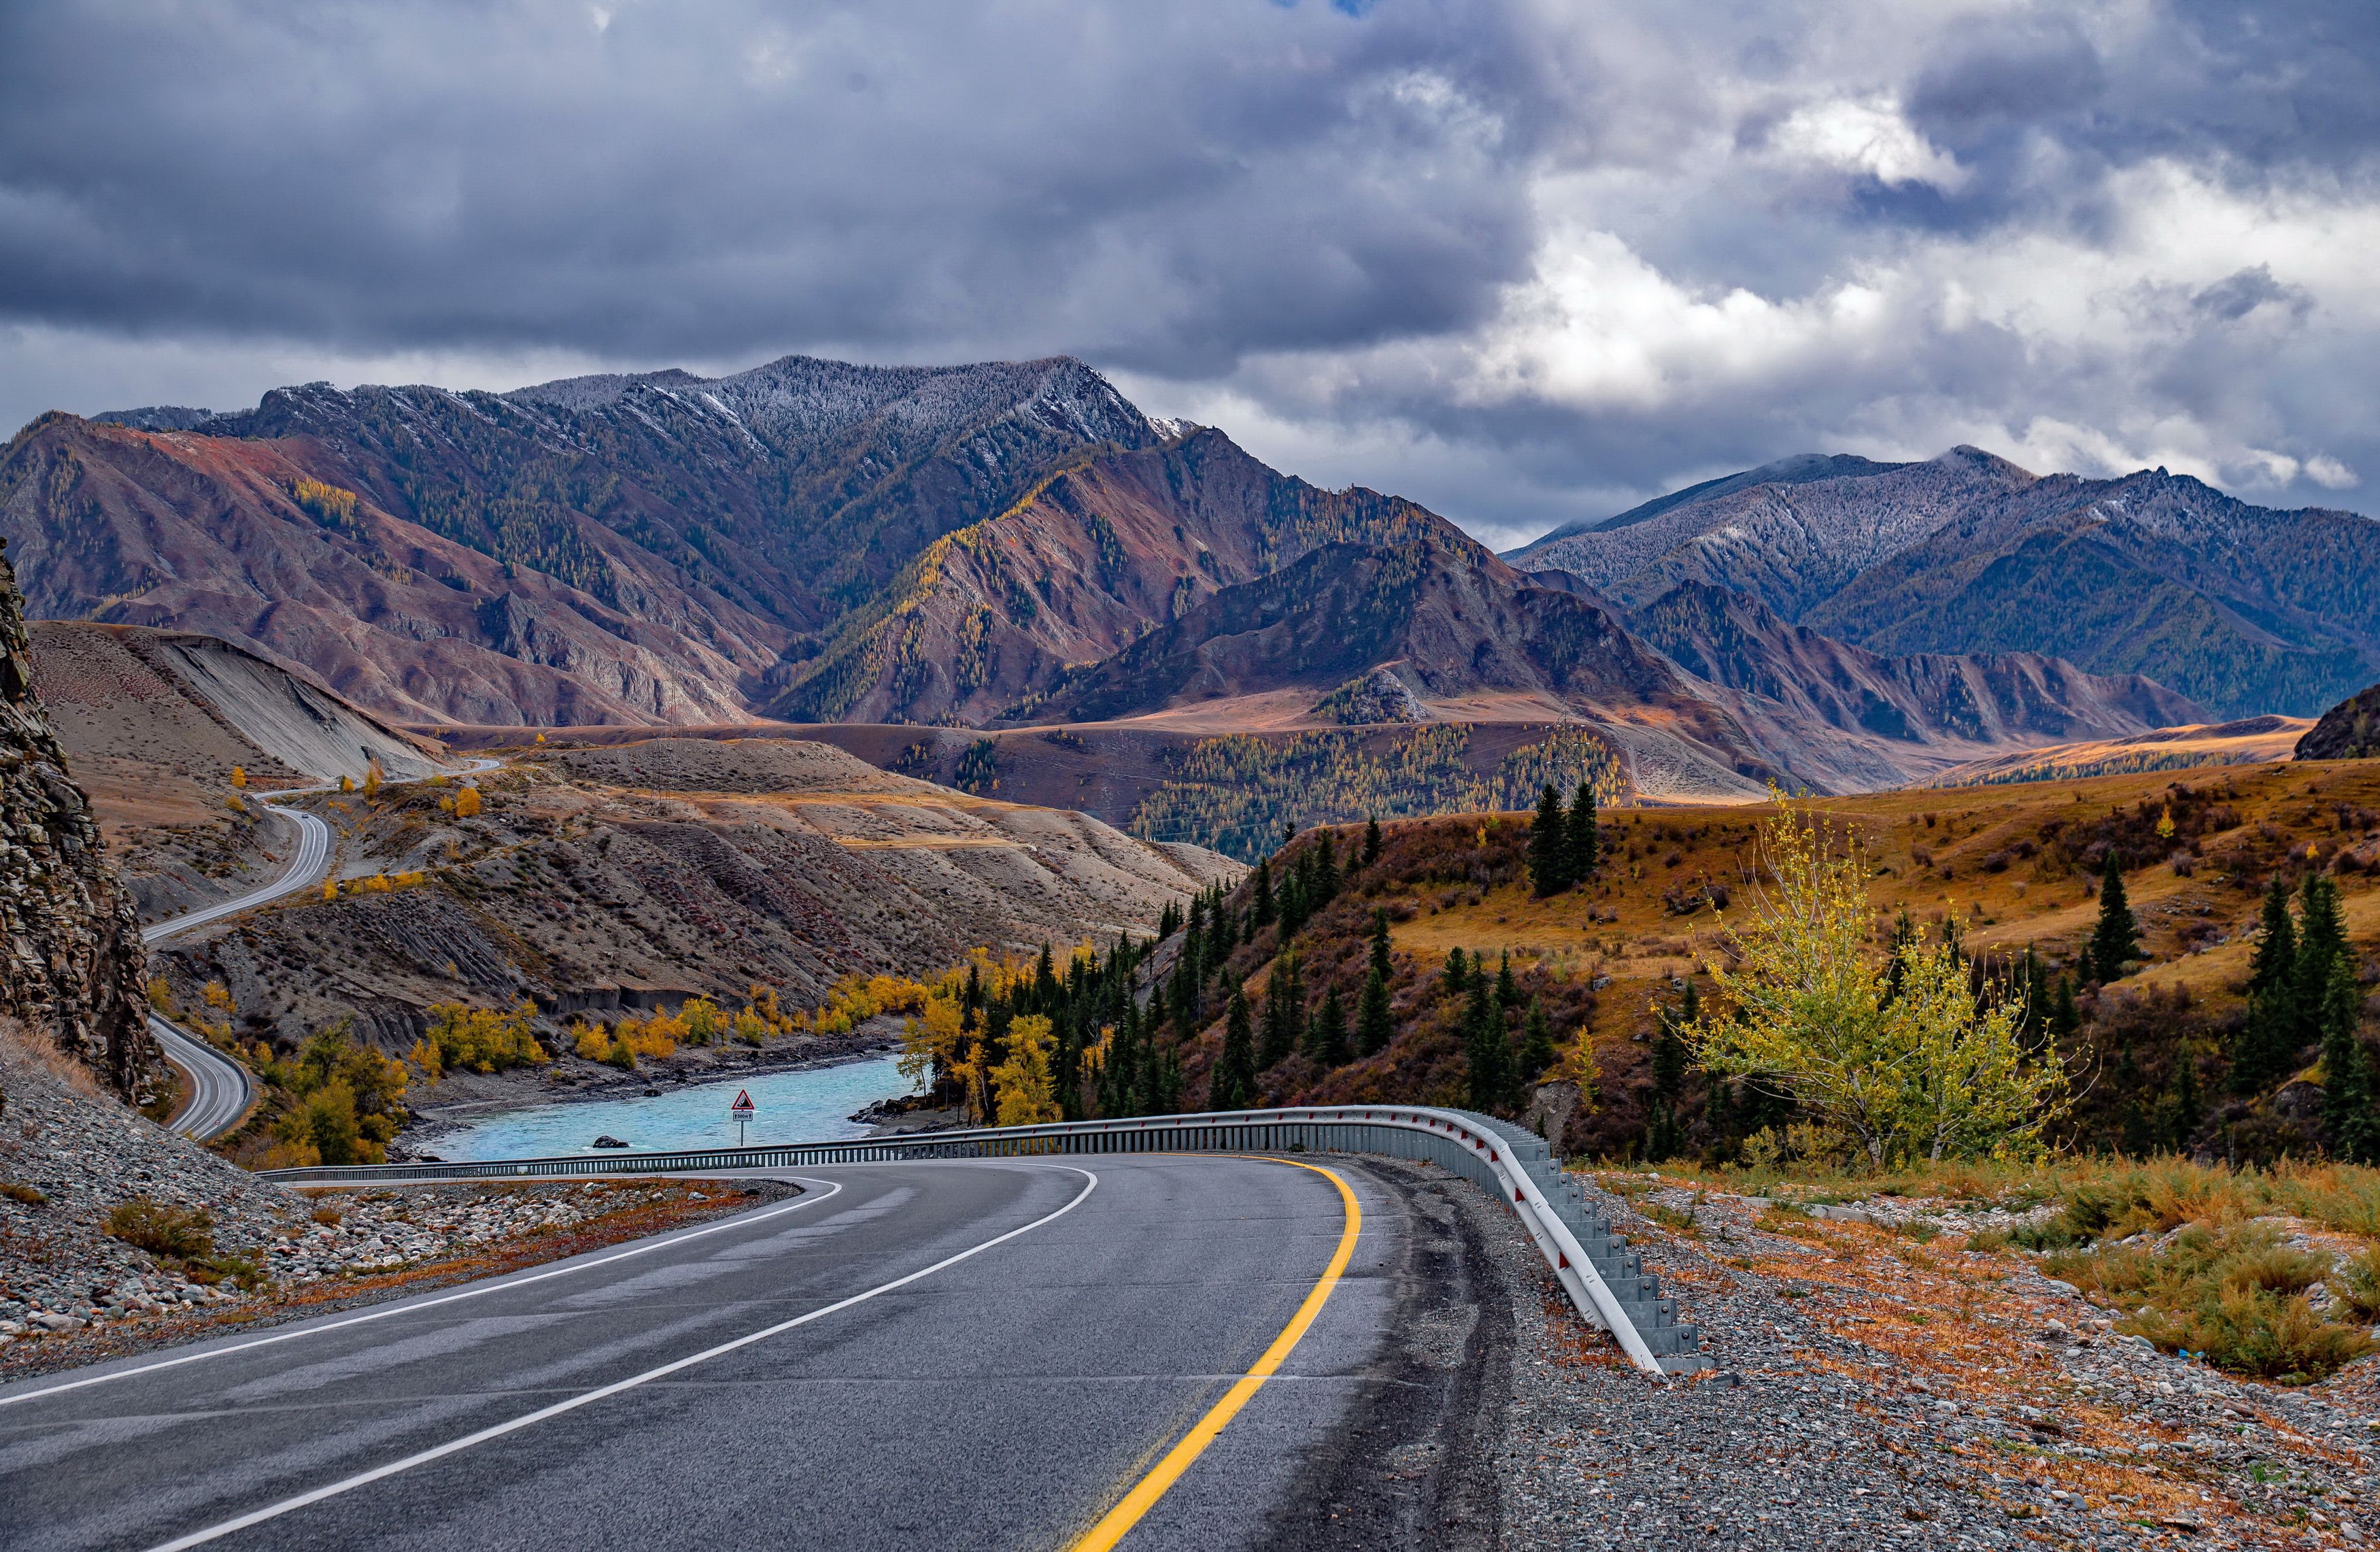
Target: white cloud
x=1871, y=138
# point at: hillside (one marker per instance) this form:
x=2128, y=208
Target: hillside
x=2249, y=741
x=1092, y=558
x=157, y=722
x=2015, y=867
x=1885, y=721
x=2350, y=729
x=2240, y=608
x=627, y=876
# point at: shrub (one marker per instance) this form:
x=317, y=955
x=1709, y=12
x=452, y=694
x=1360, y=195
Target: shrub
x=2236, y=1295
x=2357, y=1284
x=160, y=1229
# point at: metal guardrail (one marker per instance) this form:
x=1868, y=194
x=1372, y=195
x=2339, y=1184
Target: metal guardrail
x=1606, y=1280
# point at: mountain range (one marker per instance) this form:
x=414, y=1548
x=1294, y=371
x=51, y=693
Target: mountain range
x=2242, y=609
x=1016, y=544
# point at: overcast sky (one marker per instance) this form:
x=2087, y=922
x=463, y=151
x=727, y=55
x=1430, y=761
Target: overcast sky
x=1523, y=262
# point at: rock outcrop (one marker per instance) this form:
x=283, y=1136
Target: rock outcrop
x=2350, y=729
x=71, y=961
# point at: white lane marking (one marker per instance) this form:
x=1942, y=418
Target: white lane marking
x=438, y=1453
x=741, y=1220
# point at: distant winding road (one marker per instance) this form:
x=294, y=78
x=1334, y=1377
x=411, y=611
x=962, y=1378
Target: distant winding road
x=219, y=1089
x=1151, y=1352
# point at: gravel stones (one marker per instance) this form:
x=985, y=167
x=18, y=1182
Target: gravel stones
x=1871, y=1391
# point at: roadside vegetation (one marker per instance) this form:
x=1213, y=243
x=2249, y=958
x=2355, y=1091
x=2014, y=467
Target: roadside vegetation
x=2131, y=1017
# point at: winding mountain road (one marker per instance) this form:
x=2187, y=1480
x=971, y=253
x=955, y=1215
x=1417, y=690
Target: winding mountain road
x=954, y=1355
x=219, y=1090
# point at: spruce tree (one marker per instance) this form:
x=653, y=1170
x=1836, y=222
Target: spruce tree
x=1326, y=875
x=1374, y=1026
x=1260, y=907
x=1328, y=1036
x=2275, y=1027
x=2065, y=1019
x=2322, y=943
x=1485, y=1051
x=1371, y=840
x=1233, y=1085
x=2273, y=965
x=1381, y=945
x=1549, y=846
x=1284, y=1013
x=2350, y=1111
x=1458, y=973
x=1165, y=1084
x=2135, y=1132
x=1508, y=991
x=1537, y=1042
x=2115, y=942
x=1585, y=839
x=2182, y=1108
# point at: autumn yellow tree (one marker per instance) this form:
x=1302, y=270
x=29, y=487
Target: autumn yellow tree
x=1893, y=1052
x=467, y=803
x=1026, y=1091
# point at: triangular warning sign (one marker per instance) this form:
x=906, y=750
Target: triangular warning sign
x=743, y=1101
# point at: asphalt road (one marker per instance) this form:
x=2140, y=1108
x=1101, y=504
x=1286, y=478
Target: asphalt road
x=1005, y=1400
x=219, y=1089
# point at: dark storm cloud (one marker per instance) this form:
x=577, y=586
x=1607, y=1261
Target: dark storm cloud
x=1345, y=225
x=1168, y=188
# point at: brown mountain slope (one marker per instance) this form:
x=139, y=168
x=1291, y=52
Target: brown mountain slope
x=1882, y=722
x=638, y=874
x=1091, y=559
x=209, y=534
x=1466, y=635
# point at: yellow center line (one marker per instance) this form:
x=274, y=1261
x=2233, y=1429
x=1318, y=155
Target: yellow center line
x=1144, y=1494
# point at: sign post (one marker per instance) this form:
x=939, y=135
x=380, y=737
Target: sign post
x=742, y=1112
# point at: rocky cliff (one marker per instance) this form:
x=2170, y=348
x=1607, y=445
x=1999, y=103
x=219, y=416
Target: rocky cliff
x=2350, y=729
x=70, y=956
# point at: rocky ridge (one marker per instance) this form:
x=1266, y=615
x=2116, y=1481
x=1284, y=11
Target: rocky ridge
x=2350, y=729
x=70, y=955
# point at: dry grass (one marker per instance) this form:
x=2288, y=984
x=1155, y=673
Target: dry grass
x=1994, y=844
x=21, y=1049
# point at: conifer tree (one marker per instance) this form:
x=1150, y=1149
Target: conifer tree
x=1458, y=973
x=1326, y=875
x=1507, y=992
x=2322, y=943
x=1537, y=1042
x=1328, y=1039
x=1260, y=909
x=1285, y=1014
x=1371, y=840
x=1585, y=839
x=2115, y=942
x=1233, y=1085
x=2065, y=1019
x=1381, y=945
x=2274, y=1030
x=2182, y=1108
x=2350, y=1112
x=1485, y=1051
x=1549, y=846
x=2274, y=963
x=1374, y=1026
x=1165, y=1085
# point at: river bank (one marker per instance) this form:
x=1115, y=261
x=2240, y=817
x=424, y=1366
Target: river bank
x=462, y=1100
